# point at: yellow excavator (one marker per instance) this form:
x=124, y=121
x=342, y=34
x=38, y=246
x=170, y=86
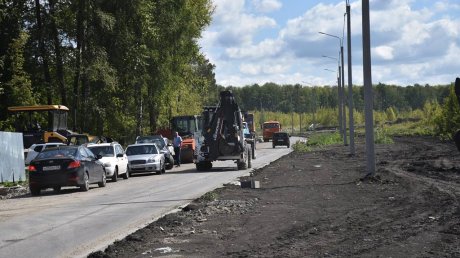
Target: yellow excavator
x=56, y=130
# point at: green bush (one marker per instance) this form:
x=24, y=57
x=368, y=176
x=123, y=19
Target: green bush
x=382, y=136
x=301, y=147
x=447, y=120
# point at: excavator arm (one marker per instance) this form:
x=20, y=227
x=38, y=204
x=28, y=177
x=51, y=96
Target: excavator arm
x=223, y=135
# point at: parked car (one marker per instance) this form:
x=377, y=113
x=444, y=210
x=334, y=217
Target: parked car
x=113, y=159
x=36, y=148
x=163, y=145
x=281, y=138
x=65, y=166
x=145, y=157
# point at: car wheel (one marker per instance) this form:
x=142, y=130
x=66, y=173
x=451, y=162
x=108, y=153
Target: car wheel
x=35, y=191
x=115, y=175
x=161, y=170
x=126, y=175
x=170, y=164
x=289, y=146
x=103, y=182
x=273, y=146
x=249, y=158
x=57, y=189
x=243, y=163
x=85, y=186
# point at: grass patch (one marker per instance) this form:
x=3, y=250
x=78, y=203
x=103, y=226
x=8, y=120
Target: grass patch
x=301, y=147
x=316, y=140
x=418, y=128
x=321, y=139
x=209, y=197
x=381, y=136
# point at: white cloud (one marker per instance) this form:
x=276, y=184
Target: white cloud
x=266, y=48
x=266, y=6
x=234, y=26
x=384, y=52
x=410, y=43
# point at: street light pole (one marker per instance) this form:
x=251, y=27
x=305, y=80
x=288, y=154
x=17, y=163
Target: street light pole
x=339, y=93
x=350, y=83
x=342, y=117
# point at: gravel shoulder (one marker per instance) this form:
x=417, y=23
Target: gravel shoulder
x=319, y=204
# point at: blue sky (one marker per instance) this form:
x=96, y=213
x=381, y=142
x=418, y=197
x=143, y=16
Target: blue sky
x=259, y=41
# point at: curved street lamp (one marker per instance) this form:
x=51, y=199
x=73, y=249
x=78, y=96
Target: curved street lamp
x=342, y=115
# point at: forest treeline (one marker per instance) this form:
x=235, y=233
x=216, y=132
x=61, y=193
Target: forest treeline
x=306, y=99
x=124, y=68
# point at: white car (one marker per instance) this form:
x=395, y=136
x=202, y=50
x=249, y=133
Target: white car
x=35, y=149
x=113, y=158
x=145, y=157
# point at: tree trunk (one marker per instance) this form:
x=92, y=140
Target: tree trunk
x=139, y=113
x=57, y=49
x=78, y=59
x=44, y=55
x=152, y=112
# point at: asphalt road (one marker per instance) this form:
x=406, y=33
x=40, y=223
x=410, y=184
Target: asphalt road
x=74, y=223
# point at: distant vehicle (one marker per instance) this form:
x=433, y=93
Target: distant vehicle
x=269, y=128
x=281, y=138
x=65, y=166
x=113, y=158
x=35, y=149
x=145, y=157
x=163, y=145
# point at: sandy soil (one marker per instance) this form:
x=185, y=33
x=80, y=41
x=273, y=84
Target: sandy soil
x=318, y=205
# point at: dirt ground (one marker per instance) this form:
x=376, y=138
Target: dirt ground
x=318, y=205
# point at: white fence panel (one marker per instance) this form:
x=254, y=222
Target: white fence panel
x=12, y=167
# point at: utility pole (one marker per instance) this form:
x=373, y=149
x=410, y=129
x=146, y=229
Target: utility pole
x=342, y=99
x=350, y=83
x=368, y=94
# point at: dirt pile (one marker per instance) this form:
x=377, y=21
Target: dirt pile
x=317, y=204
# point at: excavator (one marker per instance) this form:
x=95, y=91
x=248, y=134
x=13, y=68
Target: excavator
x=223, y=135
x=56, y=130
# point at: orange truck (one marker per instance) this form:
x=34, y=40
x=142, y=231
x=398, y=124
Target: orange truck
x=270, y=127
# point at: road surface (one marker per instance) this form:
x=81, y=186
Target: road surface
x=74, y=223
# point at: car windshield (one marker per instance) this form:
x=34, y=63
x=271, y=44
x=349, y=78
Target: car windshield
x=104, y=151
x=158, y=141
x=280, y=134
x=58, y=153
x=140, y=150
x=271, y=125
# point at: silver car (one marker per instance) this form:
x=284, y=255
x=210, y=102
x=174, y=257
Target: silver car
x=145, y=157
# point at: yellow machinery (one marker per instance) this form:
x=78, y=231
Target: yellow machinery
x=55, y=130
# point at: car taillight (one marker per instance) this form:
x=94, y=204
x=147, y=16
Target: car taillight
x=74, y=164
x=32, y=168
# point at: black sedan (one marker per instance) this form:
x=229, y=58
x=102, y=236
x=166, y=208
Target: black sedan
x=281, y=138
x=65, y=166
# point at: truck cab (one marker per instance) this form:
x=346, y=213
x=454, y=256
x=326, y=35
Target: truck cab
x=270, y=127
